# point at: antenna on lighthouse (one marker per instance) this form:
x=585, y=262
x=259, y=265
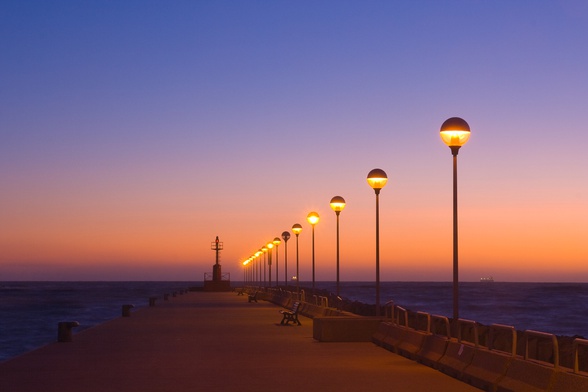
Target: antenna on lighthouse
x=217, y=246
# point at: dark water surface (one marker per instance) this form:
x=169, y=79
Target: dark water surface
x=558, y=308
x=30, y=311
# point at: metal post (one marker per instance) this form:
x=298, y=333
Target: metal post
x=277, y=253
x=286, y=263
x=337, y=213
x=312, y=259
x=377, y=252
x=297, y=271
x=269, y=264
x=455, y=248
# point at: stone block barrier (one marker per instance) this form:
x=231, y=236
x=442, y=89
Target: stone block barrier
x=492, y=358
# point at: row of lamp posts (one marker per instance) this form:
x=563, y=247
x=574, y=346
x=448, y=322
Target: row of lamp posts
x=454, y=132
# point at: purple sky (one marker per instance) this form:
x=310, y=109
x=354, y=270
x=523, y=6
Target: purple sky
x=135, y=132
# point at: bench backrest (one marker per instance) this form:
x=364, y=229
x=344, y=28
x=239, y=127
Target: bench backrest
x=295, y=307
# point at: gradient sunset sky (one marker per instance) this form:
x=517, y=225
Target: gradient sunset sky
x=135, y=132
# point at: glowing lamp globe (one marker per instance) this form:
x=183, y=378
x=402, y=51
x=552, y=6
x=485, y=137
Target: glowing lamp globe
x=297, y=228
x=312, y=218
x=377, y=179
x=455, y=132
x=337, y=204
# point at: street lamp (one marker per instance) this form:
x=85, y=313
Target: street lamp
x=337, y=204
x=313, y=219
x=296, y=229
x=245, y=272
x=277, y=242
x=264, y=250
x=285, y=237
x=455, y=132
x=377, y=179
x=270, y=246
x=258, y=255
x=249, y=270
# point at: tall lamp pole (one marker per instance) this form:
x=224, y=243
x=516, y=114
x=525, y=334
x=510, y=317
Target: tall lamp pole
x=337, y=204
x=296, y=229
x=264, y=250
x=455, y=132
x=377, y=179
x=258, y=255
x=270, y=246
x=277, y=241
x=245, y=273
x=285, y=237
x=313, y=219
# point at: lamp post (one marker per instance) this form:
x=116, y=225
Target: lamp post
x=285, y=237
x=249, y=270
x=313, y=219
x=258, y=255
x=264, y=250
x=337, y=204
x=377, y=179
x=245, y=273
x=296, y=229
x=455, y=132
x=277, y=242
x=270, y=246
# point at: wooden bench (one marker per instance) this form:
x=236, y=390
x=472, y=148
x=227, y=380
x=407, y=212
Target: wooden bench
x=240, y=291
x=291, y=315
x=253, y=297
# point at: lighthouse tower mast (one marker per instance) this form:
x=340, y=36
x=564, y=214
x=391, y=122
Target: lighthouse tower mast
x=218, y=281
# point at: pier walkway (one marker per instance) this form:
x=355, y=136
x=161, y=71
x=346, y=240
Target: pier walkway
x=214, y=341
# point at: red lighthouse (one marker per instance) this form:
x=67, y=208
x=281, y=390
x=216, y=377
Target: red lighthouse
x=219, y=281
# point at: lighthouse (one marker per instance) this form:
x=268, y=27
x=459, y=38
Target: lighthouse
x=219, y=282
x=217, y=246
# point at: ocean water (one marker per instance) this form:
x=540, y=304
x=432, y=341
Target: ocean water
x=557, y=308
x=30, y=311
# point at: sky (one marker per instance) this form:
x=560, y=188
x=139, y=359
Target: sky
x=135, y=132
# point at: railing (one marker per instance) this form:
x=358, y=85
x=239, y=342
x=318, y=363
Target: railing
x=436, y=320
x=462, y=324
x=321, y=301
x=398, y=311
x=542, y=336
x=494, y=330
x=427, y=318
x=389, y=310
x=576, y=346
x=209, y=276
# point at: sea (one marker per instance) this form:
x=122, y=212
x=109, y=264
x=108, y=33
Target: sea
x=30, y=311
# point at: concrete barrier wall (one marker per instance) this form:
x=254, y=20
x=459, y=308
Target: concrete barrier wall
x=525, y=375
x=565, y=380
x=393, y=338
x=381, y=333
x=411, y=343
x=432, y=350
x=486, y=369
x=483, y=367
x=457, y=357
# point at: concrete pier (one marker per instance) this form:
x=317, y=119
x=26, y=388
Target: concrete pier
x=214, y=341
